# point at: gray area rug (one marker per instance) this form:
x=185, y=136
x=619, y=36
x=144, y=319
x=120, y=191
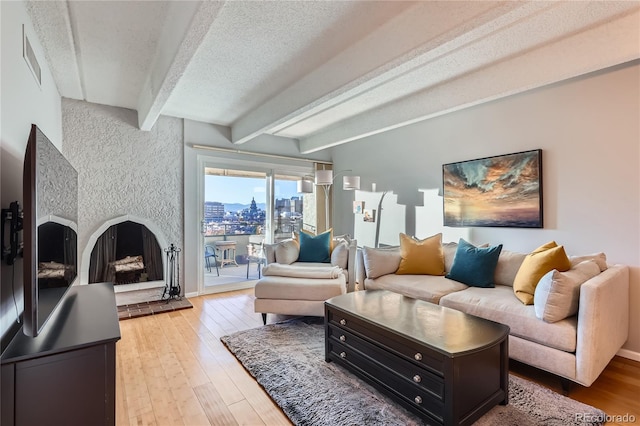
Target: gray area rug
x=287, y=360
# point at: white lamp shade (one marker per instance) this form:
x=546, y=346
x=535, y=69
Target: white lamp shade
x=305, y=186
x=349, y=183
x=324, y=177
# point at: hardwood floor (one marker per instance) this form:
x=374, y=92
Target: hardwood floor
x=172, y=369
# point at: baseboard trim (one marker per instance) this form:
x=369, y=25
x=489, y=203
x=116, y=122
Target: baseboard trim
x=626, y=353
x=192, y=294
x=223, y=288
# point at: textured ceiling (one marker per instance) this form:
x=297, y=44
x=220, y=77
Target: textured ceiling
x=322, y=72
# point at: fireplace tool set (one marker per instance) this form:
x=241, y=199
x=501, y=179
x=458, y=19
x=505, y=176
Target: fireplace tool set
x=172, y=286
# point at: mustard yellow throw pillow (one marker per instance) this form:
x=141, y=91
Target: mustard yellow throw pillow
x=545, y=258
x=421, y=257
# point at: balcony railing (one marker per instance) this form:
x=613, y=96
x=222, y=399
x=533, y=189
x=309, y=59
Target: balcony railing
x=281, y=226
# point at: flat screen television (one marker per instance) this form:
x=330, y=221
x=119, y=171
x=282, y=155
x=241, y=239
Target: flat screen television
x=50, y=203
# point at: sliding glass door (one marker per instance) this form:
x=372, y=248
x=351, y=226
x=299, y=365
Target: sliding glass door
x=293, y=211
x=242, y=208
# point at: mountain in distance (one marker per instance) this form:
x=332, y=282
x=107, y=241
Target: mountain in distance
x=234, y=207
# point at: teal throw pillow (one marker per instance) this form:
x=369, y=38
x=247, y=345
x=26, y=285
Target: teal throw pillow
x=315, y=248
x=475, y=266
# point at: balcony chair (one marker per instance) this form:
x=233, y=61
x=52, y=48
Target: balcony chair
x=255, y=253
x=210, y=252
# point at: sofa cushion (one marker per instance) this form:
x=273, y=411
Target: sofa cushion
x=542, y=260
x=599, y=258
x=557, y=295
x=449, y=253
x=289, y=288
x=286, y=252
x=337, y=239
x=315, y=248
x=340, y=255
x=421, y=256
x=424, y=287
x=381, y=261
x=475, y=266
x=509, y=263
x=499, y=304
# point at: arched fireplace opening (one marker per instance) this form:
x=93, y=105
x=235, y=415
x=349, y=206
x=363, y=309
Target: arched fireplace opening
x=126, y=253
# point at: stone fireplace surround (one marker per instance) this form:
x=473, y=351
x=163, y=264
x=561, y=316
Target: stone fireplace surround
x=127, y=294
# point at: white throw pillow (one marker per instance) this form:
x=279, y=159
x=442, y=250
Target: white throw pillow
x=340, y=255
x=287, y=252
x=381, y=261
x=557, y=295
x=599, y=258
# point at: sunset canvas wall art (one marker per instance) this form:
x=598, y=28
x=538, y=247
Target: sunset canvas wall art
x=501, y=191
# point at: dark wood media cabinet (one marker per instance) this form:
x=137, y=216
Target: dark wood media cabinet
x=67, y=374
x=448, y=367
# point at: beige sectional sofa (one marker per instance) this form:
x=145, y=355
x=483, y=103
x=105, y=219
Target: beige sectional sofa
x=577, y=348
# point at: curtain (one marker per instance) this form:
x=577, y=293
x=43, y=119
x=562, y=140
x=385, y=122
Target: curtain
x=103, y=253
x=70, y=252
x=152, y=255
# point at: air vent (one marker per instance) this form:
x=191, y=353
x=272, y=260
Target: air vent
x=30, y=57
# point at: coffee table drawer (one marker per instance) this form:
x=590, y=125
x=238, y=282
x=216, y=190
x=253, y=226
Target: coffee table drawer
x=411, y=351
x=409, y=371
x=412, y=395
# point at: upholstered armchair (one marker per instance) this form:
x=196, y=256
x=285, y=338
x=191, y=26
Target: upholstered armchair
x=343, y=254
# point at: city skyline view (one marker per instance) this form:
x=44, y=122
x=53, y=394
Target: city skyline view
x=240, y=190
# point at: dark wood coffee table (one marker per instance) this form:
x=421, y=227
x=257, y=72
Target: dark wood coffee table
x=448, y=367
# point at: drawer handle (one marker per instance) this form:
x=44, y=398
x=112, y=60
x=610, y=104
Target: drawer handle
x=418, y=356
x=343, y=321
x=418, y=399
x=342, y=338
x=343, y=354
x=417, y=378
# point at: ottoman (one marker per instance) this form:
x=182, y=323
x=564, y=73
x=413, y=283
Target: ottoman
x=296, y=296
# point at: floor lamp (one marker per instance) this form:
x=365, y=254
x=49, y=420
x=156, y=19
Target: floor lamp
x=326, y=178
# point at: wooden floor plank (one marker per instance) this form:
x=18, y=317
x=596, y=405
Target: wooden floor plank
x=172, y=369
x=244, y=414
x=216, y=410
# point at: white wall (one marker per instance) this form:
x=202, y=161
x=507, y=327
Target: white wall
x=123, y=170
x=217, y=136
x=589, y=131
x=23, y=102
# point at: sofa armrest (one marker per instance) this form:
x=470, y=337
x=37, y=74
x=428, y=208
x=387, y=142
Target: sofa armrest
x=361, y=272
x=352, y=266
x=603, y=322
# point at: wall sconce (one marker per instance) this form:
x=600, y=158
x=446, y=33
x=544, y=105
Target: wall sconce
x=350, y=183
x=305, y=186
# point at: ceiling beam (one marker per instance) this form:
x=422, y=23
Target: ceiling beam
x=389, y=52
x=52, y=23
x=591, y=50
x=184, y=31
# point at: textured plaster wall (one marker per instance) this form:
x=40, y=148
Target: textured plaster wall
x=56, y=183
x=589, y=131
x=123, y=170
